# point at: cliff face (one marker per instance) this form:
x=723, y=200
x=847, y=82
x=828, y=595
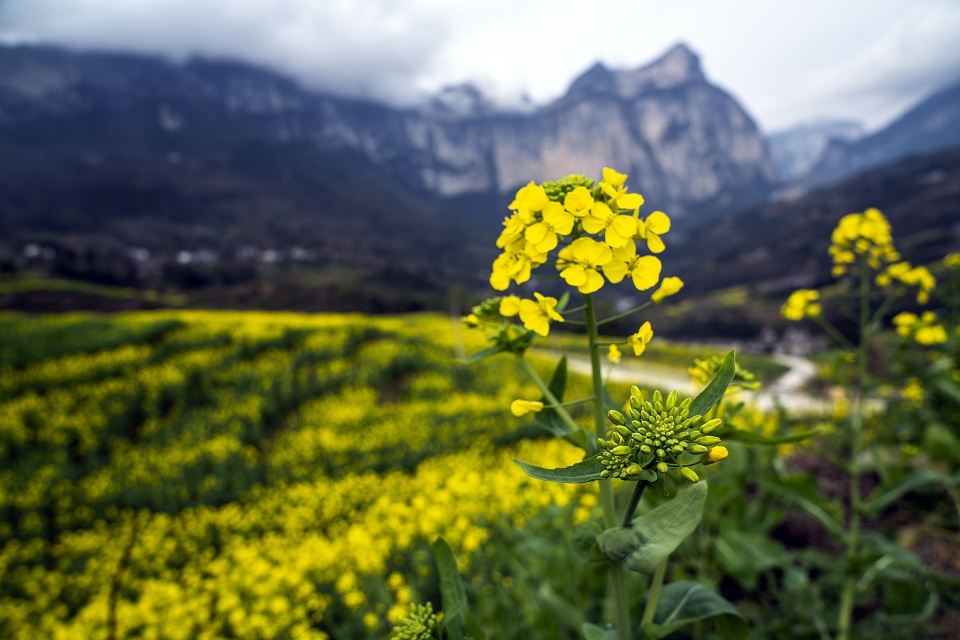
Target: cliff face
x=685, y=143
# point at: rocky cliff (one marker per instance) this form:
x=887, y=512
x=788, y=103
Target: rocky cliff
x=686, y=143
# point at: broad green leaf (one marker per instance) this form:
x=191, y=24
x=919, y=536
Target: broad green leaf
x=714, y=391
x=594, y=632
x=584, y=471
x=453, y=596
x=684, y=603
x=474, y=631
x=658, y=532
x=744, y=554
x=913, y=481
x=480, y=355
x=583, y=537
x=751, y=437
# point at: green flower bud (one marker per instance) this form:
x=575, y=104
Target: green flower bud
x=658, y=406
x=605, y=474
x=708, y=441
x=624, y=450
x=711, y=425
x=672, y=399
x=634, y=413
x=645, y=448
x=636, y=424
x=697, y=449
x=624, y=431
x=689, y=474
x=635, y=402
x=677, y=450
x=686, y=403
x=662, y=467
x=636, y=393
x=616, y=417
x=695, y=434
x=634, y=470
x=660, y=453
x=695, y=421
x=683, y=435
x=637, y=437
x=603, y=443
x=657, y=397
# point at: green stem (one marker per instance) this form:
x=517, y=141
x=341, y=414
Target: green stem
x=634, y=502
x=653, y=597
x=626, y=313
x=545, y=390
x=824, y=324
x=848, y=596
x=606, y=488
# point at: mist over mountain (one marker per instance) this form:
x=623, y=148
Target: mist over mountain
x=795, y=151
x=932, y=124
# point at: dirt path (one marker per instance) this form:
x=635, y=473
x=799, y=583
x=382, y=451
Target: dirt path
x=785, y=390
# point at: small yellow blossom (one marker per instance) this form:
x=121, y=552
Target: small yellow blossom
x=614, y=355
x=536, y=315
x=509, y=306
x=618, y=229
x=801, y=304
x=867, y=234
x=578, y=202
x=643, y=270
x=580, y=262
x=670, y=286
x=716, y=454
x=952, y=260
x=641, y=338
x=523, y=407
x=556, y=221
x=656, y=224
x=613, y=187
x=925, y=329
x=913, y=391
x=529, y=200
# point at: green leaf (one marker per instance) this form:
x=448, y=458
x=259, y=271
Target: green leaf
x=594, y=632
x=480, y=355
x=609, y=403
x=454, y=598
x=583, y=537
x=562, y=303
x=654, y=535
x=714, y=391
x=584, y=471
x=804, y=492
x=684, y=603
x=752, y=437
x=915, y=480
x=474, y=631
x=550, y=419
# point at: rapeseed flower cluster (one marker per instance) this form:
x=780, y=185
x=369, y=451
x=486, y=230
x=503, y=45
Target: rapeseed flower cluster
x=657, y=435
x=925, y=328
x=866, y=234
x=703, y=371
x=802, y=303
x=595, y=228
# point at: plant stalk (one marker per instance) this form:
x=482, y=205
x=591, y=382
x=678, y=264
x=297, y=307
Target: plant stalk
x=848, y=596
x=606, y=487
x=653, y=596
x=552, y=399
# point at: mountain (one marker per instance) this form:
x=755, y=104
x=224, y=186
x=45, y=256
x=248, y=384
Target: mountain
x=687, y=142
x=795, y=151
x=932, y=124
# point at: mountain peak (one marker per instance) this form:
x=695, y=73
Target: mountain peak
x=461, y=100
x=678, y=66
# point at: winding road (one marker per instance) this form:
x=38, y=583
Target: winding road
x=785, y=390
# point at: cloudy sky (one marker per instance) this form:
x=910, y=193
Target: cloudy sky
x=787, y=62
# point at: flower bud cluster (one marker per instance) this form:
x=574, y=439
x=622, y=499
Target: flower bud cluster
x=557, y=190
x=654, y=435
x=421, y=624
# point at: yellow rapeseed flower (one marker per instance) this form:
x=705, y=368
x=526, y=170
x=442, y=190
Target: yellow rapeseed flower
x=801, y=304
x=925, y=329
x=556, y=221
x=866, y=233
x=670, y=286
x=952, y=260
x=579, y=264
x=614, y=355
x=641, y=338
x=536, y=315
x=644, y=270
x=716, y=454
x=509, y=306
x=618, y=229
x=656, y=224
x=523, y=407
x=578, y=202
